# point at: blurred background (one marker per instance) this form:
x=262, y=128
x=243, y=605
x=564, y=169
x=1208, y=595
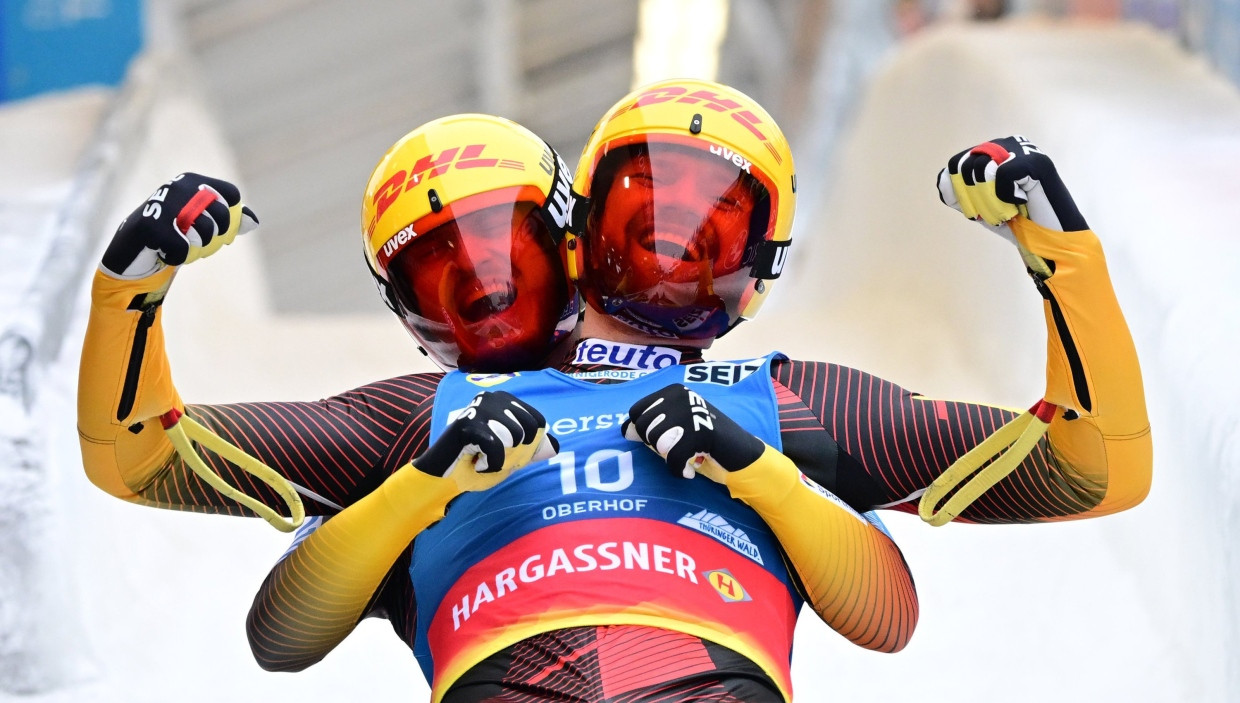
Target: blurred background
x=296, y=100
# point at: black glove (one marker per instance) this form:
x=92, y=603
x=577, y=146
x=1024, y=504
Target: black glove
x=691, y=434
x=495, y=434
x=994, y=181
x=187, y=218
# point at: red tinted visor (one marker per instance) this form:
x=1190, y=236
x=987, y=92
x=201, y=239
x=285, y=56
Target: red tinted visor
x=486, y=290
x=673, y=234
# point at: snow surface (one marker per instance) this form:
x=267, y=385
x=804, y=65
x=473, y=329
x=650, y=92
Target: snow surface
x=148, y=605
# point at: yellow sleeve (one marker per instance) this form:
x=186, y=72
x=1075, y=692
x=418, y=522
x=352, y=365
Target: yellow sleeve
x=314, y=598
x=1092, y=370
x=125, y=384
x=853, y=574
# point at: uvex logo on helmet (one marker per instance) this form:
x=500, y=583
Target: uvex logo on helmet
x=431, y=166
x=728, y=155
x=393, y=245
x=709, y=100
x=560, y=204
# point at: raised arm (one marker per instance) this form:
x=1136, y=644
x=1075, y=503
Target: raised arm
x=336, y=447
x=125, y=382
x=888, y=443
x=1100, y=435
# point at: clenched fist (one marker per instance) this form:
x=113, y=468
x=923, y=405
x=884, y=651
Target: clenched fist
x=494, y=435
x=187, y=218
x=999, y=179
x=691, y=434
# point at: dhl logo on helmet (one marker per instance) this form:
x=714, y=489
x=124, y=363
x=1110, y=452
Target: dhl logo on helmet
x=556, y=205
x=431, y=166
x=711, y=101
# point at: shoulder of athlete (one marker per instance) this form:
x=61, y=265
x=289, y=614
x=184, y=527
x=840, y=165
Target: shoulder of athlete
x=409, y=389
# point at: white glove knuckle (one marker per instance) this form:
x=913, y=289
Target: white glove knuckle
x=545, y=450
x=650, y=429
x=481, y=466
x=502, y=433
x=631, y=433
x=668, y=440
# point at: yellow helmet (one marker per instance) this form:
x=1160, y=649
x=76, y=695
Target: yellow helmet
x=691, y=190
x=462, y=222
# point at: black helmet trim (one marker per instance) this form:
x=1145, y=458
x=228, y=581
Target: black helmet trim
x=772, y=256
x=561, y=203
x=385, y=288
